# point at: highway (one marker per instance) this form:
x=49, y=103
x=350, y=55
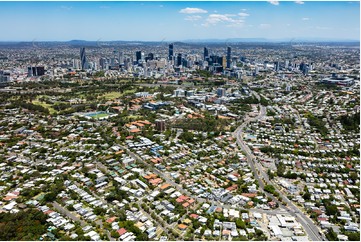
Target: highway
x=310, y=228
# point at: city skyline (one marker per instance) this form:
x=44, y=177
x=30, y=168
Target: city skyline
x=171, y=21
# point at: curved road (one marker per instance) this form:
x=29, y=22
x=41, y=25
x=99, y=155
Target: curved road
x=311, y=229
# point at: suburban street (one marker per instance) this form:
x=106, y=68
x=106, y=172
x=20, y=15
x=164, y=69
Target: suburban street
x=308, y=225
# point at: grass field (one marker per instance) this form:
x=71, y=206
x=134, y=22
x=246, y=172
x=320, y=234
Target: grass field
x=100, y=115
x=111, y=95
x=45, y=105
x=114, y=95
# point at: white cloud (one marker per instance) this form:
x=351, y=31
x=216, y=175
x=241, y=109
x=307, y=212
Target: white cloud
x=214, y=19
x=66, y=7
x=243, y=9
x=305, y=19
x=274, y=2
x=192, y=10
x=264, y=26
x=243, y=15
x=193, y=18
x=323, y=28
x=299, y=2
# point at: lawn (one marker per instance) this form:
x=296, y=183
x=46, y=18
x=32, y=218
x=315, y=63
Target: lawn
x=45, y=105
x=114, y=95
x=111, y=95
x=100, y=115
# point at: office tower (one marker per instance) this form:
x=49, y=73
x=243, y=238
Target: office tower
x=224, y=62
x=221, y=92
x=30, y=71
x=83, y=58
x=76, y=64
x=277, y=66
x=103, y=63
x=179, y=59
x=170, y=55
x=302, y=66
x=228, y=57
x=149, y=57
x=205, y=53
x=305, y=70
x=121, y=57
x=36, y=71
x=138, y=56
x=4, y=78
x=160, y=125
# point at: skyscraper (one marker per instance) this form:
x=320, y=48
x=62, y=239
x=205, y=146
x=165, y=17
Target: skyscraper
x=179, y=59
x=170, y=55
x=83, y=58
x=138, y=56
x=205, y=53
x=228, y=57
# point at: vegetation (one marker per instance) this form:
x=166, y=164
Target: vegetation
x=317, y=123
x=28, y=225
x=351, y=123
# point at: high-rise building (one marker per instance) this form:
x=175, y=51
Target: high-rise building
x=36, y=71
x=228, y=57
x=4, y=78
x=277, y=66
x=103, y=63
x=170, y=54
x=138, y=56
x=120, y=57
x=179, y=59
x=221, y=92
x=76, y=64
x=83, y=59
x=205, y=53
x=160, y=125
x=224, y=62
x=149, y=57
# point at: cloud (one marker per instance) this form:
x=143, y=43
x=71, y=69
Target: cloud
x=274, y=2
x=66, y=7
x=323, y=28
x=244, y=9
x=305, y=19
x=214, y=19
x=193, y=18
x=192, y=10
x=243, y=15
x=264, y=26
x=299, y=2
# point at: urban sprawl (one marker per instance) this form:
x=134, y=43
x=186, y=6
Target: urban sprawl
x=179, y=141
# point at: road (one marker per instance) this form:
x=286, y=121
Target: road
x=69, y=214
x=310, y=228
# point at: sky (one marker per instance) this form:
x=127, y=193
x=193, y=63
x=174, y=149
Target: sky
x=172, y=21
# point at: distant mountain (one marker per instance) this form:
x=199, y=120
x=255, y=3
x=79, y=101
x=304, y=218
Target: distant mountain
x=265, y=40
x=226, y=40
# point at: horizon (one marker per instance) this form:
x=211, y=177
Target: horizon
x=185, y=21
x=191, y=41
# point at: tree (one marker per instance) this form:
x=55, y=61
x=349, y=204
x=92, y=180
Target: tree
x=331, y=209
x=331, y=235
x=307, y=196
x=270, y=189
x=25, y=225
x=240, y=224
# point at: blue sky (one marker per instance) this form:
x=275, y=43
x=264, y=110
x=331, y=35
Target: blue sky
x=26, y=21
